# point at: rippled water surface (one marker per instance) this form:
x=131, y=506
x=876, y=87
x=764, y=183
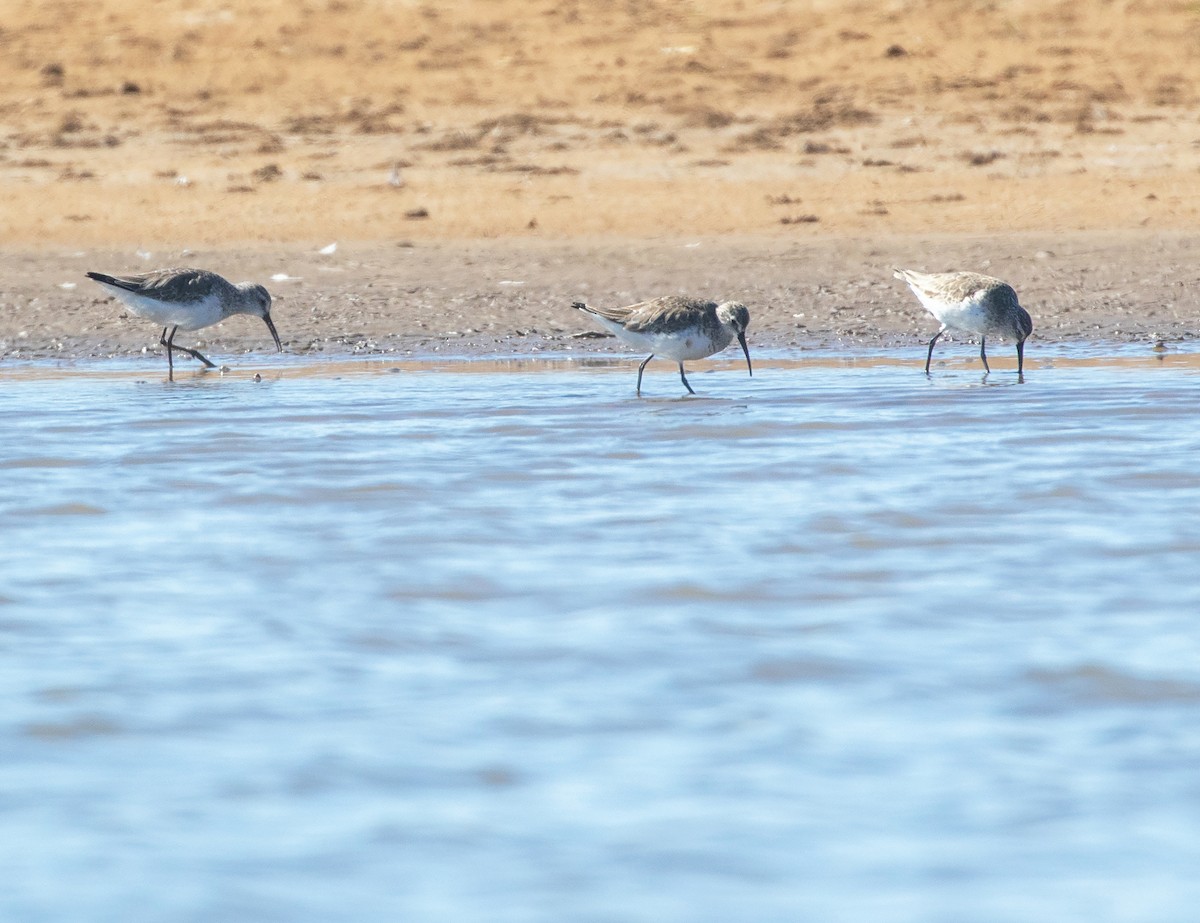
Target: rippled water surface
x=499, y=642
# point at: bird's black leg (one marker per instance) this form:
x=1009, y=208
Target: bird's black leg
x=983, y=355
x=194, y=353
x=929, y=355
x=165, y=340
x=684, y=379
x=642, y=368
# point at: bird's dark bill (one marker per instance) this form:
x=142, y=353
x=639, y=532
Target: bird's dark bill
x=746, y=350
x=271, y=327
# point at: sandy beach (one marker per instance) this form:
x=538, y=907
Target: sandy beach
x=481, y=166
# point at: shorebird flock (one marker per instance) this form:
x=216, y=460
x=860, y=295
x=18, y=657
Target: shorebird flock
x=673, y=327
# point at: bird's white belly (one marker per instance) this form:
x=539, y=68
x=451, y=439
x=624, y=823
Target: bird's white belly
x=968, y=315
x=189, y=315
x=680, y=346
x=691, y=345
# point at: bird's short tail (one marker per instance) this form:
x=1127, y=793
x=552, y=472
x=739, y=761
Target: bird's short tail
x=113, y=281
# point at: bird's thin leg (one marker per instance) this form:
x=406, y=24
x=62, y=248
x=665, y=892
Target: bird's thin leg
x=194, y=353
x=684, y=379
x=983, y=355
x=929, y=355
x=642, y=368
x=166, y=341
x=1020, y=358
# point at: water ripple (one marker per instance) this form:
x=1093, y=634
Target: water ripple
x=838, y=642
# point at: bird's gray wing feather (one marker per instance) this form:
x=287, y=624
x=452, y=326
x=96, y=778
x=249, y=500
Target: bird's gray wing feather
x=168, y=284
x=667, y=315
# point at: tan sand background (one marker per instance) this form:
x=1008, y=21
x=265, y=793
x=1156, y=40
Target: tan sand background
x=1055, y=144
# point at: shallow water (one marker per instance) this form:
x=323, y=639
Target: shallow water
x=499, y=642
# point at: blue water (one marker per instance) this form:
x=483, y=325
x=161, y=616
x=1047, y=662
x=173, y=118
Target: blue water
x=504, y=643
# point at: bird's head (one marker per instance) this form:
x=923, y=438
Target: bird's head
x=735, y=316
x=258, y=303
x=1022, y=325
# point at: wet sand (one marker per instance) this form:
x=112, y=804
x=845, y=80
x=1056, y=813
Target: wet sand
x=507, y=298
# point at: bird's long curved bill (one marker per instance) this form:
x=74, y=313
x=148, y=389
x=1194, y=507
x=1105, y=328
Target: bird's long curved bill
x=746, y=350
x=271, y=327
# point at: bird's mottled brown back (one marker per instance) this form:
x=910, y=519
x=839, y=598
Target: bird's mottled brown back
x=178, y=285
x=958, y=286
x=669, y=314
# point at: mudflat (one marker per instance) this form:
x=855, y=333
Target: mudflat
x=506, y=298
x=481, y=166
